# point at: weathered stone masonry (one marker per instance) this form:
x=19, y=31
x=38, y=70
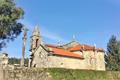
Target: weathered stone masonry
x=72, y=55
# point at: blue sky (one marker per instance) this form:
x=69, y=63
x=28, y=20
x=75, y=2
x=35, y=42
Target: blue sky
x=91, y=21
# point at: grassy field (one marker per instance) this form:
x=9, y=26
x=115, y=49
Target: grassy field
x=67, y=74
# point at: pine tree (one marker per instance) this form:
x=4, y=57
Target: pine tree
x=113, y=54
x=10, y=28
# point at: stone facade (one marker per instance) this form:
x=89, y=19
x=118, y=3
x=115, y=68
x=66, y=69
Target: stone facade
x=42, y=56
x=3, y=59
x=24, y=74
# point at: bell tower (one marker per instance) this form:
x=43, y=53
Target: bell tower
x=35, y=38
x=34, y=43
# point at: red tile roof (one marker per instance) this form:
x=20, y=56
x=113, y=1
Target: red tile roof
x=70, y=51
x=83, y=47
x=63, y=52
x=75, y=48
x=50, y=45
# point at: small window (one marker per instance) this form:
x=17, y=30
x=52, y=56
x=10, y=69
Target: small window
x=34, y=65
x=37, y=42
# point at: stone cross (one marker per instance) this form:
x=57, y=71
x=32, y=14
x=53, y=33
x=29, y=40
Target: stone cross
x=23, y=45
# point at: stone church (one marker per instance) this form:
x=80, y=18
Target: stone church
x=72, y=55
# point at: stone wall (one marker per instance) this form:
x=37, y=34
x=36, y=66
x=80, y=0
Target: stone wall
x=57, y=74
x=100, y=62
x=92, y=60
x=66, y=62
x=40, y=58
x=24, y=74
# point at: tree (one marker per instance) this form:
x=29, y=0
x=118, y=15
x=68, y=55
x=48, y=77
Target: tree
x=10, y=28
x=113, y=54
x=14, y=60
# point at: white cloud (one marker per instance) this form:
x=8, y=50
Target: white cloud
x=44, y=32
x=51, y=35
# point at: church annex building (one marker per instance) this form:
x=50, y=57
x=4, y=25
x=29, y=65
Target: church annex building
x=72, y=55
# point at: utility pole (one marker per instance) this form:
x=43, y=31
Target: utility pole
x=24, y=38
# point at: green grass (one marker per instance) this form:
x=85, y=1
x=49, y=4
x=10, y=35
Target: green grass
x=68, y=74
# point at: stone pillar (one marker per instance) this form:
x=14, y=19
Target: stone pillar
x=1, y=73
x=29, y=64
x=23, y=46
